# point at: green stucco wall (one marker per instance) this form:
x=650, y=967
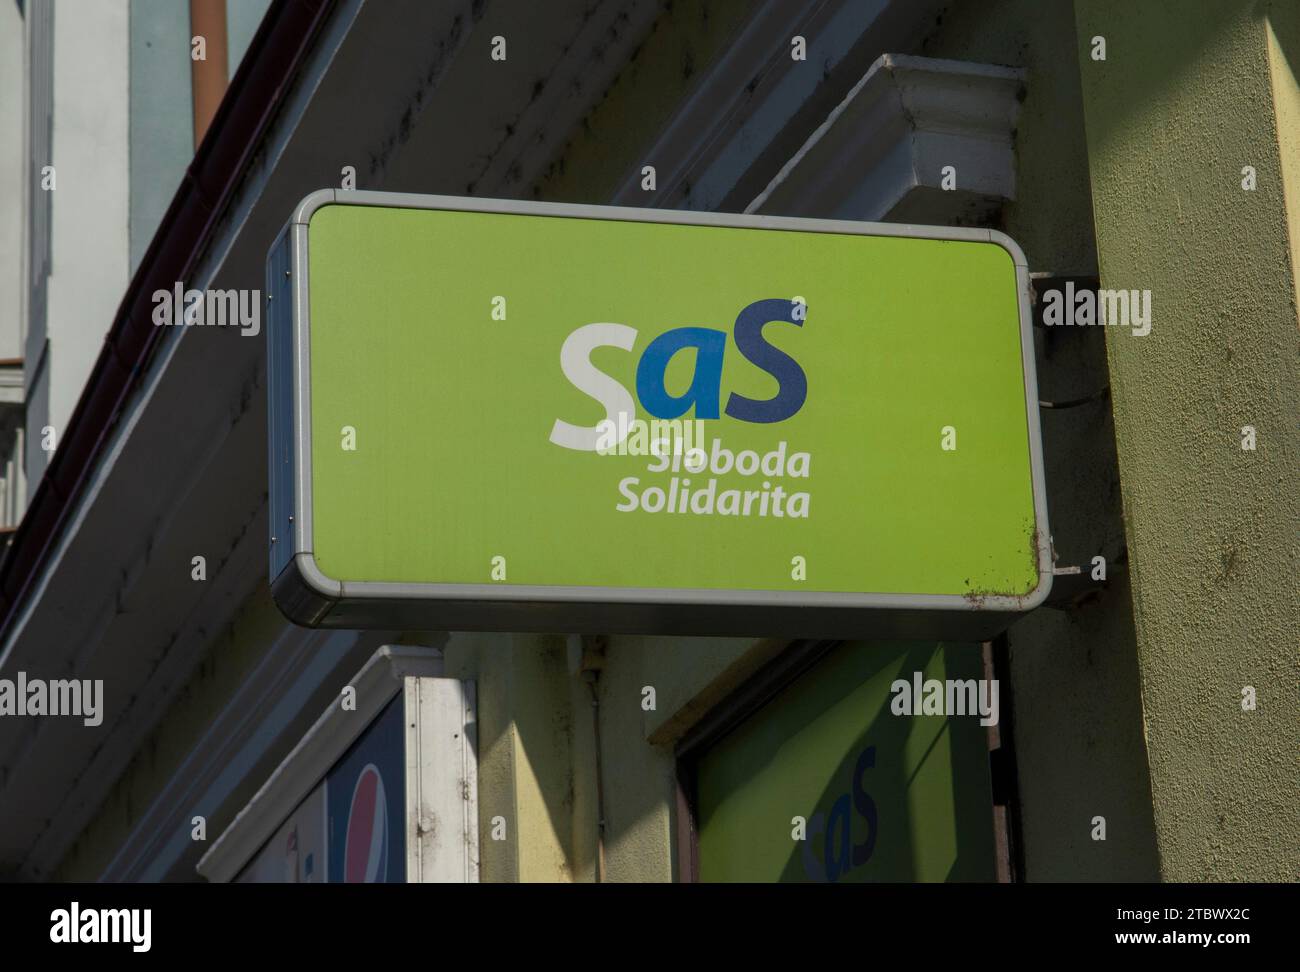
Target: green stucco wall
x=1184, y=100
x=537, y=766
x=1076, y=713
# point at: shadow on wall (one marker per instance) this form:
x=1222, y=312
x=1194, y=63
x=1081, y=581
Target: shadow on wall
x=1284, y=17
x=1191, y=29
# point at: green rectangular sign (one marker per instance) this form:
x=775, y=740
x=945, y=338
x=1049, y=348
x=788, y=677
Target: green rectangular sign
x=504, y=415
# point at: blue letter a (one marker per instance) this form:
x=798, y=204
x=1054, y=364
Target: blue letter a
x=705, y=385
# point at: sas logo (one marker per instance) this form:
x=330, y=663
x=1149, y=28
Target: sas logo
x=705, y=392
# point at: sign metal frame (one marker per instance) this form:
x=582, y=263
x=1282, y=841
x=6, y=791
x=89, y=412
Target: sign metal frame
x=308, y=597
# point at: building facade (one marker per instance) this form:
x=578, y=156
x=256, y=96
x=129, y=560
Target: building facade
x=1146, y=712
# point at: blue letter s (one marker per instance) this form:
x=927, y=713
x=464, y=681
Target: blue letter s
x=792, y=382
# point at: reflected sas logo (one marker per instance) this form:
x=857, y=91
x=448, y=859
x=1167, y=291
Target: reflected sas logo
x=705, y=392
x=841, y=851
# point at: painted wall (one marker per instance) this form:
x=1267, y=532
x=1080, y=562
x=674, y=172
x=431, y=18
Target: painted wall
x=162, y=102
x=162, y=113
x=537, y=751
x=13, y=166
x=89, y=261
x=1189, y=93
x=1283, y=25
x=1076, y=707
x=242, y=20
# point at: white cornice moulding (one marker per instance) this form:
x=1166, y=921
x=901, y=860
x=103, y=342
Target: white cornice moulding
x=880, y=154
x=379, y=680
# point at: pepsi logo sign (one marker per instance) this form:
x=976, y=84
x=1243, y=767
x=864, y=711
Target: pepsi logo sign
x=365, y=854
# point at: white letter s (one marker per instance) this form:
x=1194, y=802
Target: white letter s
x=575, y=362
